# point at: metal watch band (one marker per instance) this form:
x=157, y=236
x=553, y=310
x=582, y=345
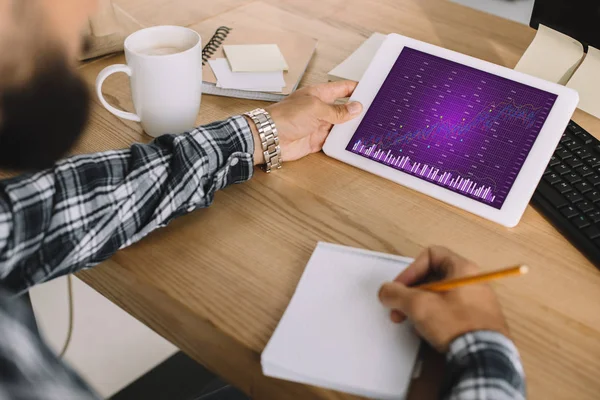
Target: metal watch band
x=268, y=137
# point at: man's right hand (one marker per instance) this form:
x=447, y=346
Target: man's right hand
x=441, y=317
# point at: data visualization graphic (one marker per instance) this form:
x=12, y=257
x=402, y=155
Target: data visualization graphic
x=458, y=127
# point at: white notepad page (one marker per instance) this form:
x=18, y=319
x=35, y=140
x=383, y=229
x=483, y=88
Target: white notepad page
x=336, y=334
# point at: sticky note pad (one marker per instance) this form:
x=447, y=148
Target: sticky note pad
x=336, y=334
x=253, y=81
x=255, y=58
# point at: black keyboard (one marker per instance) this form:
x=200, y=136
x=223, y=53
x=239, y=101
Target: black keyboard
x=568, y=194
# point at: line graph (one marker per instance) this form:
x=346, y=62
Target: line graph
x=452, y=125
x=484, y=120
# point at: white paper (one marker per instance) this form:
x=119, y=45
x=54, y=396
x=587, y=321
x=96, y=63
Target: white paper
x=354, y=67
x=336, y=334
x=587, y=82
x=255, y=58
x=256, y=81
x=552, y=56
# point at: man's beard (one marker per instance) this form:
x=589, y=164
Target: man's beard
x=41, y=119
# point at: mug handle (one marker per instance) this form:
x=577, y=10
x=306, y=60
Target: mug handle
x=105, y=73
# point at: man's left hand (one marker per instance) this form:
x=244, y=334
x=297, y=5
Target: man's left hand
x=304, y=119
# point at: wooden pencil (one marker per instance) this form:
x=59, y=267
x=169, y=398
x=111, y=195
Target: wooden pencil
x=442, y=286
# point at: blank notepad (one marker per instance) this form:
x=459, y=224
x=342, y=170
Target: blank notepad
x=336, y=334
x=255, y=58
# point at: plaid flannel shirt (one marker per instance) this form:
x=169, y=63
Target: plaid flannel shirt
x=82, y=211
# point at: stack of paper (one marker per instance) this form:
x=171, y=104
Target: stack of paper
x=559, y=58
x=356, y=64
x=336, y=334
x=552, y=56
x=257, y=68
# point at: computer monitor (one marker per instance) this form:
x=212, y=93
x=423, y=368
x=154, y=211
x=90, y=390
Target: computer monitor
x=579, y=19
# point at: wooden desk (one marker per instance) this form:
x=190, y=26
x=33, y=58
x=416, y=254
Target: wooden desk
x=215, y=282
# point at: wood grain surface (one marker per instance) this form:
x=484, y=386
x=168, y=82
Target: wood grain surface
x=216, y=282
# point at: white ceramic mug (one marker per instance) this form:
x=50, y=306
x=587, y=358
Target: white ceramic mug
x=164, y=64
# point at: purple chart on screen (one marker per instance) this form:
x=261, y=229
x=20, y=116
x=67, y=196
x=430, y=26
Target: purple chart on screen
x=455, y=126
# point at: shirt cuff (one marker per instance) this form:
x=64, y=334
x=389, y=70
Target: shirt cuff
x=230, y=146
x=484, y=362
x=474, y=342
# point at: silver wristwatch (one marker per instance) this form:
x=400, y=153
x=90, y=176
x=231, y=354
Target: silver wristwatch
x=268, y=137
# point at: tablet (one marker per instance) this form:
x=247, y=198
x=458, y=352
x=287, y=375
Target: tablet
x=467, y=132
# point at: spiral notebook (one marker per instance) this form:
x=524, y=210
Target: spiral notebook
x=296, y=48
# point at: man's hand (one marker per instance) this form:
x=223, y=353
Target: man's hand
x=441, y=317
x=304, y=119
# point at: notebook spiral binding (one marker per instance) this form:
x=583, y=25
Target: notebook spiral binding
x=214, y=43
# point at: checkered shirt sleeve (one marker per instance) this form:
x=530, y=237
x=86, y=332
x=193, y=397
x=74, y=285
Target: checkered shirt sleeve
x=483, y=365
x=87, y=207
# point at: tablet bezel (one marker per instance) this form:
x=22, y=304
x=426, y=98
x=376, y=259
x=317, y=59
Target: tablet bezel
x=532, y=169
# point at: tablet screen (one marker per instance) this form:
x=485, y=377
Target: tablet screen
x=458, y=127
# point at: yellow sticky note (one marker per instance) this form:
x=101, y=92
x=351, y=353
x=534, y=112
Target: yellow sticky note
x=255, y=58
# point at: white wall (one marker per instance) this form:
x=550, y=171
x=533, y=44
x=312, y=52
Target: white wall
x=516, y=10
x=109, y=348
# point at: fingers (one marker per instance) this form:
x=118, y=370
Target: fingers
x=330, y=92
x=397, y=317
x=436, y=260
x=405, y=302
x=396, y=296
x=339, y=113
x=320, y=136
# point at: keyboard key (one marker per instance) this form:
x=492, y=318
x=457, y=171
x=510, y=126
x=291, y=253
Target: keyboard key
x=572, y=178
x=594, y=216
x=569, y=211
x=554, y=160
x=593, y=161
x=585, y=137
x=583, y=153
x=593, y=196
x=572, y=145
x=548, y=171
x=574, y=196
x=592, y=232
x=580, y=222
x=563, y=187
x=552, y=195
x=562, y=169
x=597, y=148
x=574, y=162
x=573, y=127
x=553, y=178
x=559, y=146
x=584, y=170
x=583, y=187
x=585, y=206
x=594, y=179
x=564, y=154
x=565, y=138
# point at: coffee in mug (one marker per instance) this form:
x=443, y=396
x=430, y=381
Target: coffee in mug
x=162, y=50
